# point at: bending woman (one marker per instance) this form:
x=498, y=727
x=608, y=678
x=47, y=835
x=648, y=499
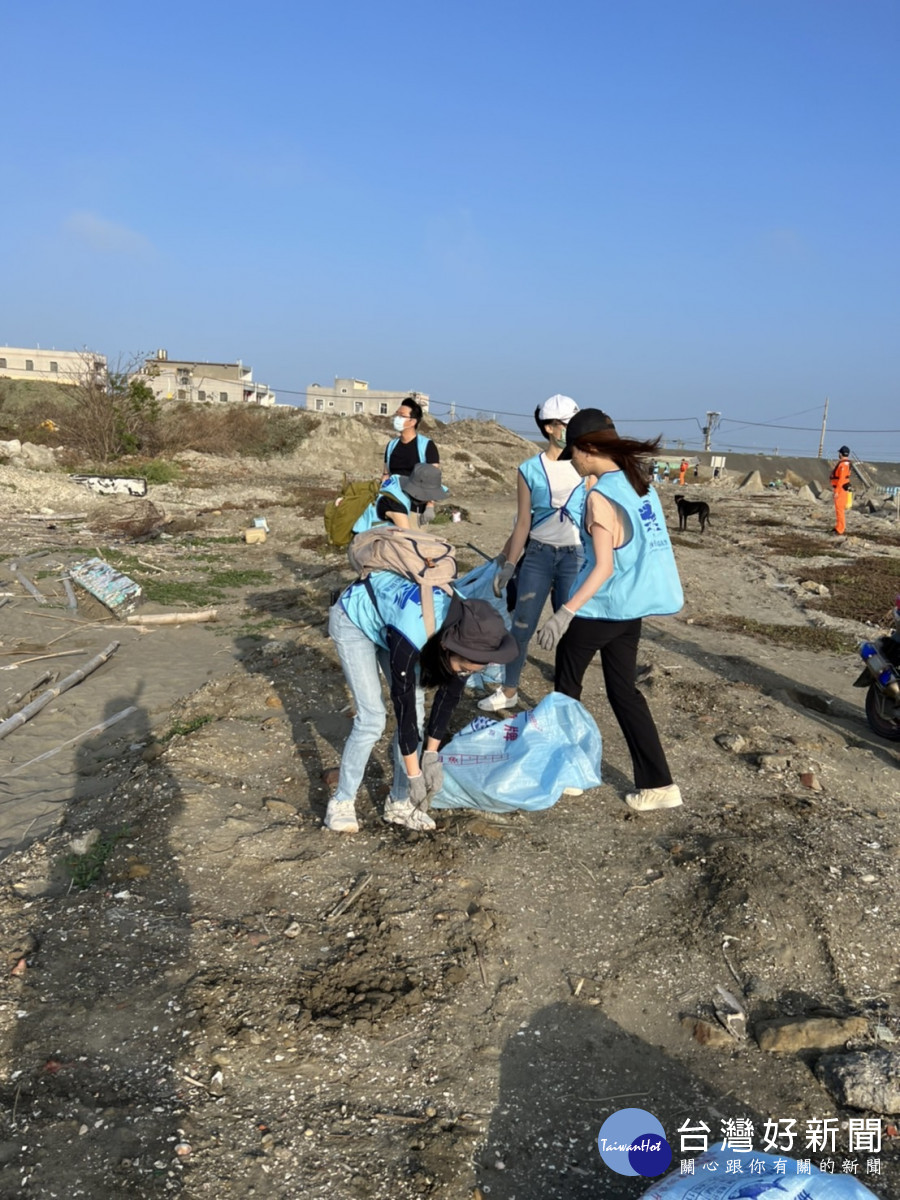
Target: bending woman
x=550, y=501
x=378, y=622
x=629, y=573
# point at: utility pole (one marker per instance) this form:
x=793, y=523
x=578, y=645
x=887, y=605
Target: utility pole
x=712, y=420
x=451, y=416
x=822, y=438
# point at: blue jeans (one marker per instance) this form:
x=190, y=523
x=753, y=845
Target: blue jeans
x=361, y=659
x=544, y=567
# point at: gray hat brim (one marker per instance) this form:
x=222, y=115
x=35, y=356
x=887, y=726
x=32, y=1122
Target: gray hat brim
x=418, y=492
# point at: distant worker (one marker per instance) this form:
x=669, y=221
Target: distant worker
x=665, y=473
x=840, y=485
x=682, y=472
x=411, y=447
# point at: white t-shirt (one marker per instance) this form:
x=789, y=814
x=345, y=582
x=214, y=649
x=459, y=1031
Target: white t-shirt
x=563, y=480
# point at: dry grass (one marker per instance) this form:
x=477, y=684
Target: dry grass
x=799, y=545
x=808, y=637
x=862, y=590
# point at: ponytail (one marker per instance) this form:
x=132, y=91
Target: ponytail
x=627, y=453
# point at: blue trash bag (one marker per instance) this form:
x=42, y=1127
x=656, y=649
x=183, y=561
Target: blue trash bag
x=525, y=762
x=478, y=585
x=764, y=1182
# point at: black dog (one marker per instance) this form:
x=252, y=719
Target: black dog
x=687, y=507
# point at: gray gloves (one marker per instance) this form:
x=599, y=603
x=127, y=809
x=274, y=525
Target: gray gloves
x=432, y=771
x=504, y=574
x=550, y=634
x=427, y=516
x=418, y=791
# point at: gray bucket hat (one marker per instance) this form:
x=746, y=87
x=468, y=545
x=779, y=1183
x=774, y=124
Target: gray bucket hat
x=478, y=634
x=424, y=483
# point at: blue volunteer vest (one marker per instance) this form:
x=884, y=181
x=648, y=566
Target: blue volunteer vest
x=370, y=518
x=421, y=444
x=534, y=473
x=644, y=582
x=398, y=605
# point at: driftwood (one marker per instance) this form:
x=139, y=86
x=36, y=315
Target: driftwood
x=32, y=709
x=79, y=737
x=342, y=905
x=29, y=587
x=38, y=658
x=71, y=598
x=5, y=600
x=179, y=618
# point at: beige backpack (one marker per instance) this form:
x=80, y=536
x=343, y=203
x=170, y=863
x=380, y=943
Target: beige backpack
x=418, y=556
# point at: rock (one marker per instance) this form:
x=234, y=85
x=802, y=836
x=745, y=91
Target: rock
x=39, y=458
x=83, y=843
x=809, y=1033
x=733, y=742
x=773, y=762
x=11, y=449
x=752, y=484
x=153, y=751
x=707, y=1033
x=868, y=1079
x=806, y=493
x=280, y=808
x=808, y=779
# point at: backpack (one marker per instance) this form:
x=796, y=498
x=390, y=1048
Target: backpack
x=342, y=513
x=420, y=557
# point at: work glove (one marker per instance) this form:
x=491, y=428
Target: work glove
x=427, y=515
x=550, y=634
x=418, y=791
x=504, y=574
x=432, y=771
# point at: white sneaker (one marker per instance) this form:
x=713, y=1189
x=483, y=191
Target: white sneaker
x=340, y=816
x=573, y=791
x=405, y=813
x=498, y=700
x=650, y=798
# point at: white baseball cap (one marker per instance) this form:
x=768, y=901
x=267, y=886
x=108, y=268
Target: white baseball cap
x=558, y=408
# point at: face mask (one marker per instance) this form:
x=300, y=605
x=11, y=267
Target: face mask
x=559, y=442
x=399, y=424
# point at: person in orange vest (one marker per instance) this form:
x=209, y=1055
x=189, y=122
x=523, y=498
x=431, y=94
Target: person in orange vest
x=840, y=483
x=682, y=472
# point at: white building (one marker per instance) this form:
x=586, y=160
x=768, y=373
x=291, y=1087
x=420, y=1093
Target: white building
x=352, y=397
x=187, y=379
x=50, y=366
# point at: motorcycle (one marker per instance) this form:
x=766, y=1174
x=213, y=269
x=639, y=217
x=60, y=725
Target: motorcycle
x=881, y=675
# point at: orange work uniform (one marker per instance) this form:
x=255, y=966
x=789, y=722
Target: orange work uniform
x=840, y=478
x=682, y=472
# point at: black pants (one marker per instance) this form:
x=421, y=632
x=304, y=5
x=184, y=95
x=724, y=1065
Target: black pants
x=617, y=642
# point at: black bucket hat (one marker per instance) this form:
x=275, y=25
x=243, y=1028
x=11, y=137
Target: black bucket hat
x=478, y=634
x=424, y=483
x=587, y=420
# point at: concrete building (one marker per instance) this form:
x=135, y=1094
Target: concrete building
x=187, y=379
x=49, y=366
x=352, y=397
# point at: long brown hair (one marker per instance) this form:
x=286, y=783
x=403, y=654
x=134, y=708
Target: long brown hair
x=627, y=453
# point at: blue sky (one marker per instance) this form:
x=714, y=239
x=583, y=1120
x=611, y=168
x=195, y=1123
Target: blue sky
x=659, y=207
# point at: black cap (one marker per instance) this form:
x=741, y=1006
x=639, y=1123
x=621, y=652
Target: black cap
x=844, y=450
x=588, y=420
x=480, y=635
